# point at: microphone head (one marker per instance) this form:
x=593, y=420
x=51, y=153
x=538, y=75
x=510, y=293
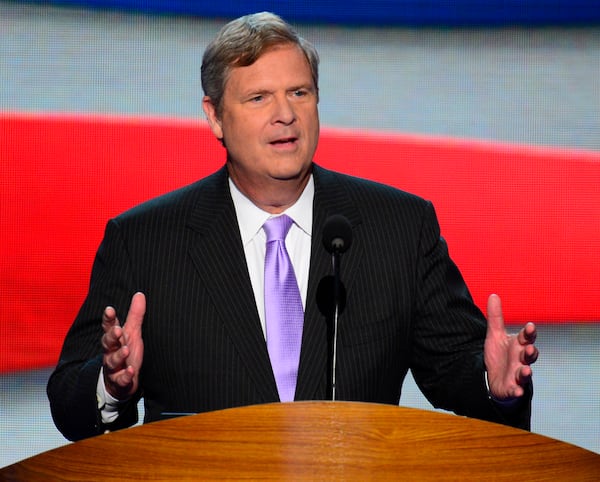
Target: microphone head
x=337, y=234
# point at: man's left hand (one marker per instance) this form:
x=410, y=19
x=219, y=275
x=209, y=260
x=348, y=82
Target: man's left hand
x=508, y=357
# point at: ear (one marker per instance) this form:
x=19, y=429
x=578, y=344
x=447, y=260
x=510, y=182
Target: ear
x=211, y=115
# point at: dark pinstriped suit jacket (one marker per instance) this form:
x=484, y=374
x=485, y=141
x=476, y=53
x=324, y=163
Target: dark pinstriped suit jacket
x=407, y=307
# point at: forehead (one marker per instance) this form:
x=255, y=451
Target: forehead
x=278, y=64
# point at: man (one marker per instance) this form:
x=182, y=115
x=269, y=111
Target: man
x=177, y=312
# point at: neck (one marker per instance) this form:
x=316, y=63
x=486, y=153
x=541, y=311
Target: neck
x=275, y=195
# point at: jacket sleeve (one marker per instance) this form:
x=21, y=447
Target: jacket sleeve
x=448, y=337
x=71, y=388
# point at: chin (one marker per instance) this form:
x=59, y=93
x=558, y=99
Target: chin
x=291, y=174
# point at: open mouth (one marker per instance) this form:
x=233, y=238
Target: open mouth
x=284, y=141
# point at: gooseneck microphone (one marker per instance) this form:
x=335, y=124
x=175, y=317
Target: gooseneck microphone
x=337, y=238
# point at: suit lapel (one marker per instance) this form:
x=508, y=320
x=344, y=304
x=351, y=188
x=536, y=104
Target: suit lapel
x=219, y=259
x=330, y=198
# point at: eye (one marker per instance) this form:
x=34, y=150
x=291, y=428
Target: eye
x=300, y=93
x=257, y=98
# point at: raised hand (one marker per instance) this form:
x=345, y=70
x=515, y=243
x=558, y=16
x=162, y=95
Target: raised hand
x=123, y=349
x=508, y=357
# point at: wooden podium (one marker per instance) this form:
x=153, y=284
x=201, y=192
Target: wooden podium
x=314, y=441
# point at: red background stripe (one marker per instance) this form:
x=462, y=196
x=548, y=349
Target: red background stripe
x=521, y=221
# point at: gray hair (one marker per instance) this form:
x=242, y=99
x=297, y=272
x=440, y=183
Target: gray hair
x=241, y=42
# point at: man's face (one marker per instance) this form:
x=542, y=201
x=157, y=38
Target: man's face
x=269, y=122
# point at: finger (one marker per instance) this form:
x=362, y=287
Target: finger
x=529, y=355
x=116, y=360
x=524, y=375
x=119, y=384
x=113, y=339
x=137, y=310
x=111, y=328
x=124, y=378
x=495, y=317
x=109, y=317
x=528, y=334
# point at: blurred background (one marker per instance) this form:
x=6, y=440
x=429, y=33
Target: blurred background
x=521, y=73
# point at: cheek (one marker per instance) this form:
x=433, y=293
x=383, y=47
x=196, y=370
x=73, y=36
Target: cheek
x=312, y=117
x=243, y=126
x=241, y=135
x=315, y=128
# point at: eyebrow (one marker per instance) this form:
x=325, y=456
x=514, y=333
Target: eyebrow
x=309, y=86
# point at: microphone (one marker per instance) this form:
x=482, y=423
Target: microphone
x=337, y=238
x=337, y=234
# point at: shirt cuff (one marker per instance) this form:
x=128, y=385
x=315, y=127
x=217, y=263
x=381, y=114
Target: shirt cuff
x=509, y=403
x=107, y=404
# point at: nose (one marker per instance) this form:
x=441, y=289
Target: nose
x=283, y=111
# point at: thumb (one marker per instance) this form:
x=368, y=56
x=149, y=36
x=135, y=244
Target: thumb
x=136, y=313
x=495, y=318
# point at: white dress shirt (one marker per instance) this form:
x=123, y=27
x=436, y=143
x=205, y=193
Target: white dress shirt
x=298, y=241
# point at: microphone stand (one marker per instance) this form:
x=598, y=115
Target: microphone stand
x=335, y=261
x=337, y=238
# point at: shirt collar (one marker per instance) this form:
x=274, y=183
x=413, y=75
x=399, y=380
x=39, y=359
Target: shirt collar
x=251, y=218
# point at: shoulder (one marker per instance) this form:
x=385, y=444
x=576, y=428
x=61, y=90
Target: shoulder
x=369, y=194
x=179, y=203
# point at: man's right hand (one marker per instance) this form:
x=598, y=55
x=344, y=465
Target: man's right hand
x=123, y=349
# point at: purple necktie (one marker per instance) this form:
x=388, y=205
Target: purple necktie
x=283, y=308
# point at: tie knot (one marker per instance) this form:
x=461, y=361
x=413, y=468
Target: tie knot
x=277, y=228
